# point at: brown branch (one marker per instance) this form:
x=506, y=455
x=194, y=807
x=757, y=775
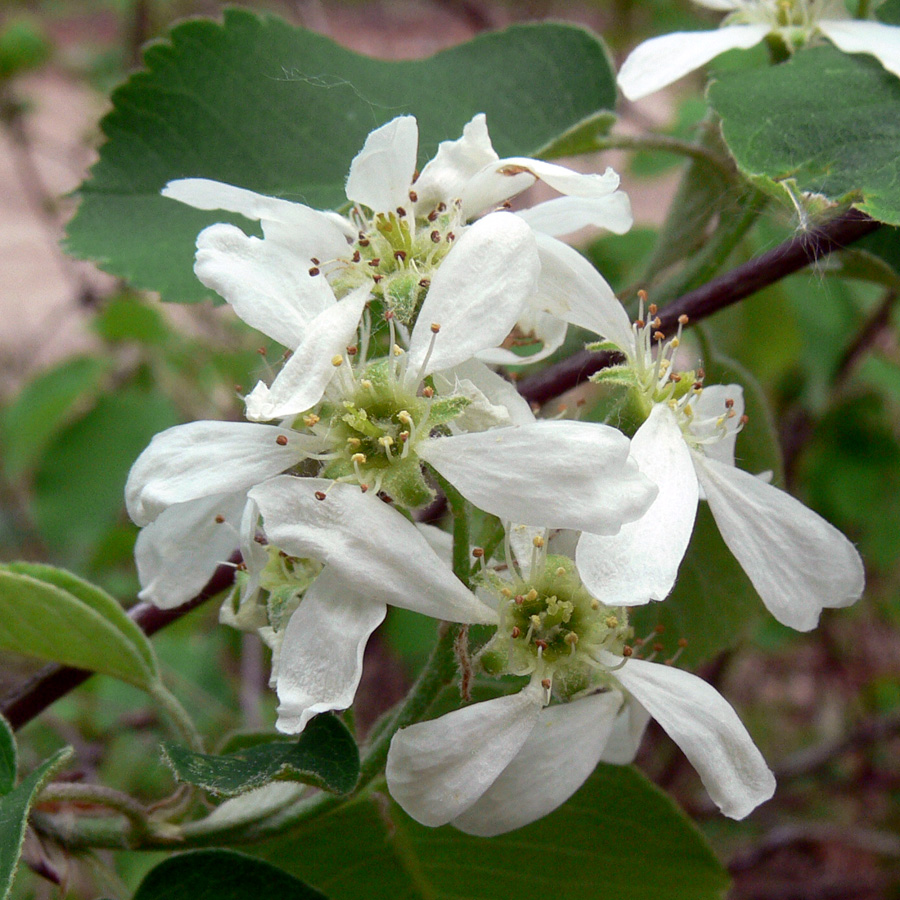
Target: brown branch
x=46, y=686
x=739, y=283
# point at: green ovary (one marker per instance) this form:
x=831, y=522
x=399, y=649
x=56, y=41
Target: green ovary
x=551, y=624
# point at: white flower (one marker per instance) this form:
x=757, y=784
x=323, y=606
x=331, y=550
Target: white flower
x=798, y=562
x=497, y=765
x=403, y=232
x=663, y=60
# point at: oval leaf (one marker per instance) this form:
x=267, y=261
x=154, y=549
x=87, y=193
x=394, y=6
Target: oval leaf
x=824, y=123
x=325, y=755
x=220, y=875
x=617, y=828
x=258, y=103
x=52, y=614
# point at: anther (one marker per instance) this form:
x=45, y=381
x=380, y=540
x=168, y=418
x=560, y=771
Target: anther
x=359, y=458
x=356, y=256
x=627, y=651
x=404, y=436
x=441, y=207
x=571, y=639
x=516, y=632
x=388, y=315
x=364, y=242
x=363, y=487
x=262, y=351
x=314, y=261
x=424, y=282
x=314, y=270
x=561, y=571
x=652, y=308
x=595, y=603
x=376, y=278
x=320, y=495
x=658, y=336
x=241, y=567
x=541, y=645
x=744, y=419
x=400, y=255
x=658, y=647
x=413, y=197
x=404, y=417
x=220, y=519
x=478, y=552
x=401, y=211
x=436, y=236
x=375, y=262
x=506, y=592
x=310, y=420
x=451, y=237
x=337, y=360
x=683, y=319
x=435, y=327
x=354, y=442
x=532, y=595
x=365, y=384
x=432, y=216
x=612, y=622
x=281, y=440
x=428, y=392
x=538, y=541
x=519, y=599
x=545, y=684
x=729, y=403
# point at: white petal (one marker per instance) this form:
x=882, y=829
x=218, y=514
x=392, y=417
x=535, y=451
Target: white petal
x=444, y=178
x=477, y=293
x=538, y=327
x=436, y=770
x=508, y=177
x=302, y=381
x=797, y=561
x=563, y=215
x=372, y=547
x=720, y=5
x=572, y=289
x=709, y=407
x=494, y=400
x=875, y=38
x=382, y=172
x=627, y=733
x=663, y=60
x=305, y=231
x=703, y=724
x=179, y=552
x=265, y=283
x=521, y=542
x=562, y=750
x=640, y=563
x=322, y=652
x=203, y=458
x=554, y=474
x=439, y=540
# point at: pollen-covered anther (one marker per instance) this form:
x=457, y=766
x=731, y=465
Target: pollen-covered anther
x=658, y=335
x=359, y=458
x=683, y=319
x=532, y=595
x=353, y=442
x=612, y=622
x=365, y=383
x=397, y=350
x=561, y=571
x=595, y=603
x=506, y=592
x=281, y=440
x=404, y=418
x=538, y=541
x=310, y=420
x=653, y=309
x=435, y=327
x=571, y=639
x=386, y=441
x=337, y=360
x=428, y=392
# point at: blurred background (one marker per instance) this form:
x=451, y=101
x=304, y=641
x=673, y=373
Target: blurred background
x=90, y=371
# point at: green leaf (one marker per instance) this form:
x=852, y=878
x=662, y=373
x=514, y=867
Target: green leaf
x=825, y=123
x=258, y=103
x=42, y=409
x=8, y=761
x=52, y=614
x=14, y=807
x=889, y=12
x=325, y=755
x=220, y=875
x=616, y=829
x=128, y=319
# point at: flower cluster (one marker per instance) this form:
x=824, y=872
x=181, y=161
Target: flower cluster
x=389, y=316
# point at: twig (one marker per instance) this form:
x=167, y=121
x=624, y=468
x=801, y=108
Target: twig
x=872, y=329
x=739, y=283
x=54, y=681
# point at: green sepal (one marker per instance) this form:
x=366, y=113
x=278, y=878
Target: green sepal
x=446, y=409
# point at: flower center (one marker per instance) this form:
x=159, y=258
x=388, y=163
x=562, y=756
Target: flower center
x=371, y=430
x=397, y=252
x=551, y=625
